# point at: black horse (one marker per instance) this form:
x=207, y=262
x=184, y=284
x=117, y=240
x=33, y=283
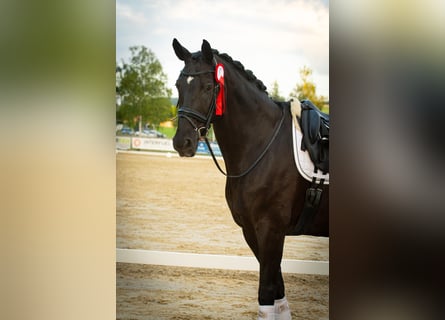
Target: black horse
x=264, y=190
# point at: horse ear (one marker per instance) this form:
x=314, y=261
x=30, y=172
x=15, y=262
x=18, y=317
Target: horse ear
x=207, y=52
x=181, y=52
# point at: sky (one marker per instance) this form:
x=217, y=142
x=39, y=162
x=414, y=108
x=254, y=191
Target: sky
x=273, y=38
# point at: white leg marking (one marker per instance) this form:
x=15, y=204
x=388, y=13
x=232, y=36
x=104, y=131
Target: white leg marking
x=266, y=313
x=282, y=311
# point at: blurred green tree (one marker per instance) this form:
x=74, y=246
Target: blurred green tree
x=142, y=95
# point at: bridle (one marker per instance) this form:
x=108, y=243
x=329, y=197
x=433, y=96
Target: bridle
x=190, y=114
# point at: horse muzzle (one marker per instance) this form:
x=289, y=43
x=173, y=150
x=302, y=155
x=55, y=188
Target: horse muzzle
x=186, y=147
x=191, y=126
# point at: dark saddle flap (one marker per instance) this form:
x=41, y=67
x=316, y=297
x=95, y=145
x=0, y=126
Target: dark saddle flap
x=315, y=128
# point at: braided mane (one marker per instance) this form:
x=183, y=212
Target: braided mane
x=248, y=74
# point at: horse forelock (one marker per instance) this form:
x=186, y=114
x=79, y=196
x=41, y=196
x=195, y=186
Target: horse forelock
x=196, y=55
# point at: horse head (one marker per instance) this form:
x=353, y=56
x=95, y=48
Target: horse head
x=197, y=90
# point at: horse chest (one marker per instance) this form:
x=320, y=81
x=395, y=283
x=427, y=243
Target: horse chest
x=245, y=201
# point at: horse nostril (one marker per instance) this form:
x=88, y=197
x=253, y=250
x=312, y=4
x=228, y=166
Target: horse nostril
x=187, y=143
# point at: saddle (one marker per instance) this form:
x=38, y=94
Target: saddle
x=314, y=125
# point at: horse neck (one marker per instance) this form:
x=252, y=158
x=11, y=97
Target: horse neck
x=247, y=125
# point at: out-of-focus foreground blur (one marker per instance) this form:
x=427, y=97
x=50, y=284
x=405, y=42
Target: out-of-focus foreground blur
x=57, y=161
x=387, y=85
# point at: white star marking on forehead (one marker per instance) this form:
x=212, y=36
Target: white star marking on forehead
x=189, y=79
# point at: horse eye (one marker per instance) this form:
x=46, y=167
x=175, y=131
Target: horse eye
x=209, y=86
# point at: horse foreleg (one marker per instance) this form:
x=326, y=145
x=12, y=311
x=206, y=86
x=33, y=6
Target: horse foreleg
x=271, y=283
x=265, y=312
x=281, y=310
x=273, y=305
x=271, y=290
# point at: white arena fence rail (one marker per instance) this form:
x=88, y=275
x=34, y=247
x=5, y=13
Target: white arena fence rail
x=215, y=261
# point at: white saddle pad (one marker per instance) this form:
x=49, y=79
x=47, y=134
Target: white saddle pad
x=302, y=159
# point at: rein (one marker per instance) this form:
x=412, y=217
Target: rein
x=260, y=157
x=190, y=114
